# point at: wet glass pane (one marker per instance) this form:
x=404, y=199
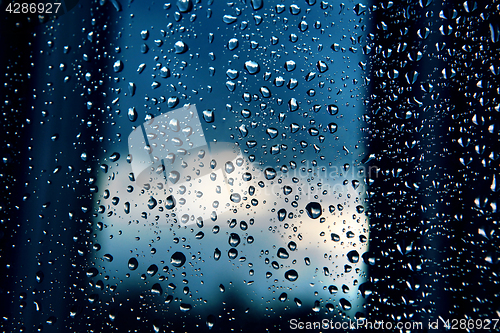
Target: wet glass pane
x=249, y=166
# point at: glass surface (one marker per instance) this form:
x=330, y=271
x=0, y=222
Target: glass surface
x=249, y=166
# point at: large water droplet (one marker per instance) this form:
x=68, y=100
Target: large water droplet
x=333, y=109
x=152, y=270
x=234, y=239
x=133, y=264
x=313, y=210
x=157, y=289
x=132, y=114
x=235, y=197
x=229, y=19
x=257, y=4
x=208, y=116
x=332, y=127
x=353, y=256
x=232, y=44
x=184, y=6
x=217, y=254
x=180, y=47
x=290, y=65
x=170, y=202
x=291, y=275
x=232, y=253
x=210, y=321
x=281, y=214
x=333, y=289
x=229, y=167
x=174, y=176
x=282, y=253
x=345, y=304
x=322, y=66
x=252, y=67
x=118, y=66
x=269, y=173
x=177, y=259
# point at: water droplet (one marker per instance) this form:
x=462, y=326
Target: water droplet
x=252, y=67
x=281, y=214
x=157, y=289
x=232, y=253
x=294, y=9
x=353, y=256
x=39, y=276
x=265, y=92
x=235, y=197
x=92, y=272
x=291, y=275
x=114, y=157
x=185, y=307
x=345, y=304
x=152, y=203
x=180, y=47
x=282, y=253
x=172, y=101
x=314, y=210
x=270, y=173
x=217, y=254
x=303, y=26
x=272, y=132
x=208, y=116
x=131, y=88
x=174, y=176
x=232, y=44
x=152, y=270
x=229, y=167
x=322, y=66
x=184, y=6
x=228, y=19
x=210, y=321
x=118, y=66
x=170, y=202
x=257, y=4
x=293, y=105
x=290, y=65
x=234, y=239
x=164, y=72
x=332, y=127
x=283, y=297
x=333, y=109
x=177, y=259
x=133, y=264
x=292, y=246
